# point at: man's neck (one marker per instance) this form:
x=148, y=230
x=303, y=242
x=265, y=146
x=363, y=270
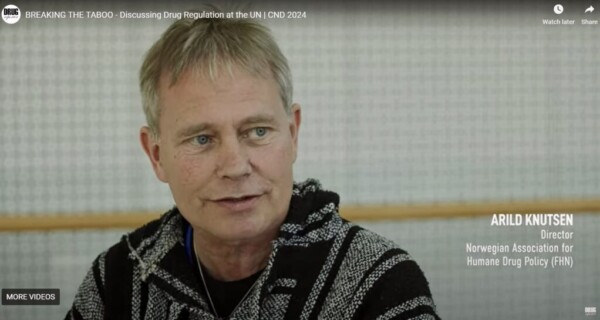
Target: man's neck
x=234, y=260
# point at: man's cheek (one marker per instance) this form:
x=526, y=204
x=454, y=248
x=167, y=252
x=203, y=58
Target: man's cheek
x=188, y=168
x=282, y=151
x=189, y=175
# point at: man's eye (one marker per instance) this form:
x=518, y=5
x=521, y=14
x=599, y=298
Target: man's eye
x=260, y=131
x=201, y=140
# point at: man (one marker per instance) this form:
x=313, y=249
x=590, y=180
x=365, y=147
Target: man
x=244, y=241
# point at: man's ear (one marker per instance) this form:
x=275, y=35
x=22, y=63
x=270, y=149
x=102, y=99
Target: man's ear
x=152, y=148
x=296, y=117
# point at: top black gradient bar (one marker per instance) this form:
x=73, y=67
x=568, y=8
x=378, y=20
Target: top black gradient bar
x=473, y=13
x=493, y=8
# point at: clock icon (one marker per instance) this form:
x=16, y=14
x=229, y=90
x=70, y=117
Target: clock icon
x=558, y=9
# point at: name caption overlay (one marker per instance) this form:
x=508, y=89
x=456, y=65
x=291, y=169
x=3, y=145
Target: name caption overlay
x=550, y=248
x=30, y=297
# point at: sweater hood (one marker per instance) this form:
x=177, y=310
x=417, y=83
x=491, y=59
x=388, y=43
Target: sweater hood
x=312, y=217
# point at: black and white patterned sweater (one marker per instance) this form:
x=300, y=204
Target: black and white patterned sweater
x=321, y=267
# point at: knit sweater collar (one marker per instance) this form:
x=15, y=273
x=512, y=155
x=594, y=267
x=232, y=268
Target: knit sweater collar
x=312, y=217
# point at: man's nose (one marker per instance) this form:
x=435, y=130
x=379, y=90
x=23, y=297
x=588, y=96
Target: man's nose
x=233, y=160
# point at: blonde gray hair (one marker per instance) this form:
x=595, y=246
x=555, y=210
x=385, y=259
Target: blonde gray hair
x=209, y=46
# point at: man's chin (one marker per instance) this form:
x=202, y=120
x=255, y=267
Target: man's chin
x=246, y=230
x=234, y=235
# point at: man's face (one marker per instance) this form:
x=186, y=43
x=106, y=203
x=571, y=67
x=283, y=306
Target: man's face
x=226, y=149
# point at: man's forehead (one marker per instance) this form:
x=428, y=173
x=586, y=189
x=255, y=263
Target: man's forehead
x=194, y=88
x=239, y=97
x=210, y=77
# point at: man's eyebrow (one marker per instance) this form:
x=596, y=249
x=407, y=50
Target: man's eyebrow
x=192, y=129
x=260, y=118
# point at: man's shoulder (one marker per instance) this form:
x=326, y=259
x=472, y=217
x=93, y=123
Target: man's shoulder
x=382, y=275
x=369, y=254
x=371, y=243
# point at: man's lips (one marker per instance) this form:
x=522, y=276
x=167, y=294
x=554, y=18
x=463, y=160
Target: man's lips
x=238, y=203
x=237, y=198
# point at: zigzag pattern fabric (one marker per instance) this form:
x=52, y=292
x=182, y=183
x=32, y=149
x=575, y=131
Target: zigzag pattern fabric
x=321, y=267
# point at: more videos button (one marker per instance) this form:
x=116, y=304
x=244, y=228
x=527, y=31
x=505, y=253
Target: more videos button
x=30, y=297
